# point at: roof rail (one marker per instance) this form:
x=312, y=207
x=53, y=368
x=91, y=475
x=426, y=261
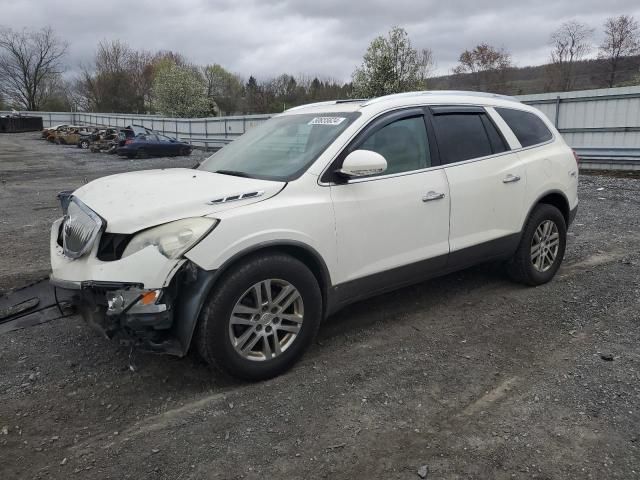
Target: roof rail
x=441, y=92
x=351, y=100
x=317, y=104
x=328, y=102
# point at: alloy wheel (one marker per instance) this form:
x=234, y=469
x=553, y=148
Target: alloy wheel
x=545, y=245
x=266, y=320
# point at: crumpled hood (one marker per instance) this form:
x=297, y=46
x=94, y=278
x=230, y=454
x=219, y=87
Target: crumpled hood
x=133, y=201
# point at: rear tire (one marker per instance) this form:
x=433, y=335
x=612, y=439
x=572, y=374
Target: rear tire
x=84, y=144
x=235, y=309
x=541, y=248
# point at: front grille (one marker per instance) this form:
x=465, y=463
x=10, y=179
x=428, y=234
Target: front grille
x=80, y=229
x=112, y=245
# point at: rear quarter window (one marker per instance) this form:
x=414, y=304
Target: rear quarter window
x=528, y=128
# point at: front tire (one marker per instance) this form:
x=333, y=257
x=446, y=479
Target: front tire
x=261, y=317
x=541, y=247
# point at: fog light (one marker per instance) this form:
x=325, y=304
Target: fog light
x=134, y=301
x=115, y=302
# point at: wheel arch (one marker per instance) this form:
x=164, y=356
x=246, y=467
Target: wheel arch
x=555, y=198
x=194, y=295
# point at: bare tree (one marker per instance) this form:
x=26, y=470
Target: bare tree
x=487, y=65
x=119, y=80
x=571, y=43
x=28, y=60
x=621, y=39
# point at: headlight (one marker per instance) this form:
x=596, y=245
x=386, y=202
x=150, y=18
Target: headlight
x=172, y=239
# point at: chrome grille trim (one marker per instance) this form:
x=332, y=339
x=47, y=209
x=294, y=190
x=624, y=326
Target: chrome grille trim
x=234, y=198
x=80, y=229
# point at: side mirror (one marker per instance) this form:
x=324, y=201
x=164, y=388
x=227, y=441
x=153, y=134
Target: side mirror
x=361, y=163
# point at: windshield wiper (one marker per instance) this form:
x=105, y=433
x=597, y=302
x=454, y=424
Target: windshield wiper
x=235, y=173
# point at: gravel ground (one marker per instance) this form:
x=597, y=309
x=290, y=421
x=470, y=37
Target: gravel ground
x=466, y=376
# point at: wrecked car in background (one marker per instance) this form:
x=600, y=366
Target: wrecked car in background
x=153, y=145
x=53, y=134
x=106, y=140
x=47, y=131
x=87, y=137
x=72, y=135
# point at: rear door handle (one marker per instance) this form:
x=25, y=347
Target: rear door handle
x=430, y=196
x=511, y=179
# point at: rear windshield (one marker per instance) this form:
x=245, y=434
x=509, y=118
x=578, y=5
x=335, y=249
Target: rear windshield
x=282, y=148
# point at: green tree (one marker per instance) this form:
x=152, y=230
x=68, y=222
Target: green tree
x=253, y=94
x=224, y=88
x=180, y=91
x=392, y=65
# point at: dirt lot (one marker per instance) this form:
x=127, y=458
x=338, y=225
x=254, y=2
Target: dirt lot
x=469, y=375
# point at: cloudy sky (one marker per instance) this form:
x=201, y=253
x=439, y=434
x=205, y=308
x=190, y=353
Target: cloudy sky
x=314, y=37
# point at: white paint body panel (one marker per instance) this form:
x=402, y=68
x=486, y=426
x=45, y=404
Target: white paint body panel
x=384, y=223
x=358, y=229
x=133, y=201
x=483, y=208
x=301, y=213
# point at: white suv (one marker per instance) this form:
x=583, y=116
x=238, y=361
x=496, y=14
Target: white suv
x=321, y=206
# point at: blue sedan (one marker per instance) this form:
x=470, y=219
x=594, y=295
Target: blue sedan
x=153, y=145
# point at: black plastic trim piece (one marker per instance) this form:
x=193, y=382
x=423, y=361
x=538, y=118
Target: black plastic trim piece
x=546, y=194
x=498, y=249
x=346, y=293
x=191, y=297
x=572, y=215
x=343, y=294
x=447, y=109
x=192, y=294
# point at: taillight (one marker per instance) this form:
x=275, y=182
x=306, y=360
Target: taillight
x=575, y=155
x=127, y=142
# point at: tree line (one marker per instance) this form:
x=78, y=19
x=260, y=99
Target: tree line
x=124, y=80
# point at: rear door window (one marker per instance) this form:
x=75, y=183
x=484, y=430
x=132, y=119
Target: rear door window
x=463, y=136
x=528, y=128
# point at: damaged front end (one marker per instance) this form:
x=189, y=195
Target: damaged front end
x=137, y=289
x=139, y=317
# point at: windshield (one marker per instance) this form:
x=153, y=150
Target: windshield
x=280, y=149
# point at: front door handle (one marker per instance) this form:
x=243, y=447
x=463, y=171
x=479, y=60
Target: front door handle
x=432, y=196
x=511, y=179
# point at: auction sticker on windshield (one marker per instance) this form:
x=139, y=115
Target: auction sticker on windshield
x=327, y=121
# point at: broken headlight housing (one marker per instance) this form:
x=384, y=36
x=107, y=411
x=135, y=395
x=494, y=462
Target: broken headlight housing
x=172, y=239
x=80, y=229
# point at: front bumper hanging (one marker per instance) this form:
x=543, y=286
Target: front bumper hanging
x=126, y=312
